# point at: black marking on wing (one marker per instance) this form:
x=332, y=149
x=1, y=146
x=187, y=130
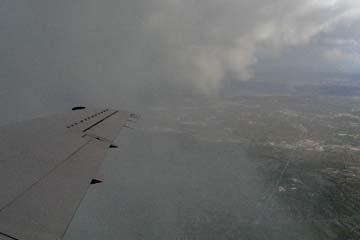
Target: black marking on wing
x=95, y=181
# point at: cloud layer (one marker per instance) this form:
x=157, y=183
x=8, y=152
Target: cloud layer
x=208, y=40
x=56, y=53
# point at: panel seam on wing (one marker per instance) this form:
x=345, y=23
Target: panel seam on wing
x=8, y=236
x=98, y=122
x=43, y=177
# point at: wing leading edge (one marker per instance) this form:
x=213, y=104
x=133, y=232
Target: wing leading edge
x=46, y=166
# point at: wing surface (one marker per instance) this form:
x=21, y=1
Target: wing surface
x=46, y=166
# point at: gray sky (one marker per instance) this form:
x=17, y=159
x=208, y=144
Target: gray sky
x=57, y=53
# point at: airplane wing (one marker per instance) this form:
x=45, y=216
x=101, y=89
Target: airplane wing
x=46, y=167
